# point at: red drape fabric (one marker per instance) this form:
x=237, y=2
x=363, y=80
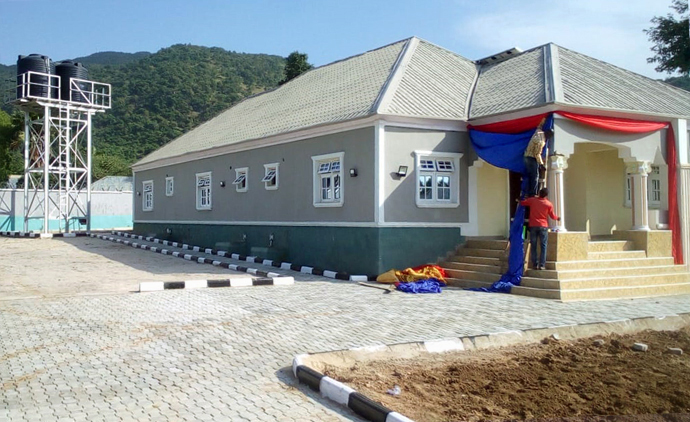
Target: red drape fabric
x=617, y=125
x=511, y=126
x=673, y=212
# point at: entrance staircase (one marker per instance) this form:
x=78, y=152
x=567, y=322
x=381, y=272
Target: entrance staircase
x=612, y=269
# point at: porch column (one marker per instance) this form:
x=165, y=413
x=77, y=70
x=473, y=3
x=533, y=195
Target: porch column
x=637, y=172
x=557, y=164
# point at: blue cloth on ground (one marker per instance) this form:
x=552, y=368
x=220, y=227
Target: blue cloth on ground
x=431, y=285
x=507, y=151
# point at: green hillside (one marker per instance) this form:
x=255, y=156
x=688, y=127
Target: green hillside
x=157, y=97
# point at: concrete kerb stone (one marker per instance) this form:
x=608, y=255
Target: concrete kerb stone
x=34, y=235
x=264, y=278
x=306, y=367
x=339, y=275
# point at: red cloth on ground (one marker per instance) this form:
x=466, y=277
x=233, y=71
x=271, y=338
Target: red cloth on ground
x=539, y=210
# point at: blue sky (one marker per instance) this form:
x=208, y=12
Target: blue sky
x=610, y=30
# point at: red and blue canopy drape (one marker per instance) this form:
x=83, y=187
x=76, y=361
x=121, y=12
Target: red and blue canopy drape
x=481, y=136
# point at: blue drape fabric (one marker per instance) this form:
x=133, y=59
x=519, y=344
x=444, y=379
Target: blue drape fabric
x=506, y=151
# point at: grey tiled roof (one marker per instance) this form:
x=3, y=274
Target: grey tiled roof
x=514, y=84
x=337, y=92
x=113, y=183
x=590, y=82
x=415, y=78
x=436, y=83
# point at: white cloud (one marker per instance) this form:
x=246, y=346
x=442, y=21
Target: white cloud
x=609, y=30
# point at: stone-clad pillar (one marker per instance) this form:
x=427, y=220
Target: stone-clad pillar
x=684, y=209
x=557, y=165
x=637, y=171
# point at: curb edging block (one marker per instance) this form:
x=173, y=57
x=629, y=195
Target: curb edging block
x=340, y=393
x=338, y=275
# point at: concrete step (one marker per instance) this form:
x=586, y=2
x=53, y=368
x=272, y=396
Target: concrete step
x=487, y=253
x=472, y=275
x=607, y=263
x=626, y=292
x=493, y=269
x=500, y=245
x=605, y=272
x=617, y=255
x=606, y=282
x=519, y=290
x=480, y=260
x=610, y=246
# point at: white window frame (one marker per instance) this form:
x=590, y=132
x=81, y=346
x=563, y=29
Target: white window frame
x=450, y=166
x=243, y=185
x=200, y=189
x=146, y=195
x=654, y=176
x=267, y=169
x=321, y=170
x=169, y=186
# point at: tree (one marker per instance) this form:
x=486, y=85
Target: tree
x=11, y=134
x=295, y=64
x=671, y=38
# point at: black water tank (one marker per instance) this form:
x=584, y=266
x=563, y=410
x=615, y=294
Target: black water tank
x=38, y=85
x=68, y=70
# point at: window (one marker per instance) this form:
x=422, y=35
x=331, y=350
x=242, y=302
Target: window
x=437, y=179
x=169, y=186
x=203, y=191
x=654, y=187
x=241, y=176
x=328, y=180
x=270, y=176
x=147, y=198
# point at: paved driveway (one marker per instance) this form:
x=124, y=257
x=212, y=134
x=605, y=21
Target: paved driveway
x=225, y=354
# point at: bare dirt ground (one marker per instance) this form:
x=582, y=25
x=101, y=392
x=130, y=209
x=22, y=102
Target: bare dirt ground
x=549, y=381
x=86, y=266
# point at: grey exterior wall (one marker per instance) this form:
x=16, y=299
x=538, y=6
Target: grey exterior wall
x=291, y=202
x=400, y=145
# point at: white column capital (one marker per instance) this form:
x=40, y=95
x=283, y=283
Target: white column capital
x=638, y=167
x=558, y=162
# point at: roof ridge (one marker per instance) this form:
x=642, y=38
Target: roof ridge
x=389, y=88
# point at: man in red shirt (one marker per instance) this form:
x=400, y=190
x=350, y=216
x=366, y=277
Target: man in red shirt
x=540, y=209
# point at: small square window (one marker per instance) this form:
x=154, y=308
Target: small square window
x=427, y=165
x=445, y=166
x=241, y=179
x=271, y=176
x=324, y=168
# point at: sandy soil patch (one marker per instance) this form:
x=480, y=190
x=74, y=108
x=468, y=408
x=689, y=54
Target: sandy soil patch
x=558, y=379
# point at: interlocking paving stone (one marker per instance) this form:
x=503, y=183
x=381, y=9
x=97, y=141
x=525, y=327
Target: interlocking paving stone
x=225, y=354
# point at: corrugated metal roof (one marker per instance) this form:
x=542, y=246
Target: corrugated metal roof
x=513, y=84
x=590, y=82
x=337, y=92
x=436, y=83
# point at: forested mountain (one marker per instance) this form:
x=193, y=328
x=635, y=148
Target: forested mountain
x=157, y=97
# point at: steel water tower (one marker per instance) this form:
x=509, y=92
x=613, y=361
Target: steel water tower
x=59, y=102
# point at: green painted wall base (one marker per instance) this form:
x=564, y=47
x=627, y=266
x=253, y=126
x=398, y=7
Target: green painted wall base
x=356, y=250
